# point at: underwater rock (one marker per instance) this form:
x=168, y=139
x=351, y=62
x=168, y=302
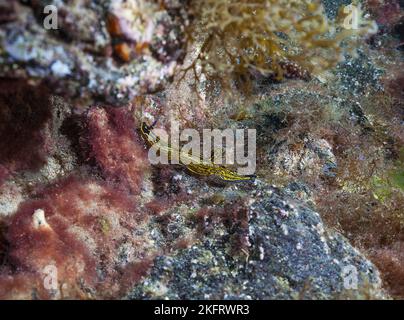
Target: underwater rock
x=289, y=254
x=312, y=157
x=11, y=195
x=34, y=150
x=78, y=195
x=76, y=58
x=69, y=216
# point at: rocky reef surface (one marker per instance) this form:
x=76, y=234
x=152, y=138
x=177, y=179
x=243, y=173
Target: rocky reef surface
x=105, y=218
x=84, y=215
x=104, y=54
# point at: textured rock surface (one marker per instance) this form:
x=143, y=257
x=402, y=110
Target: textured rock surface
x=78, y=57
x=248, y=241
x=77, y=192
x=287, y=254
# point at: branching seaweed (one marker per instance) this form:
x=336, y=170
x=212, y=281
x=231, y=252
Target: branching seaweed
x=234, y=39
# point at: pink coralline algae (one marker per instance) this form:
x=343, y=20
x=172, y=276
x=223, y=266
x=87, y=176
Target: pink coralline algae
x=82, y=236
x=90, y=237
x=116, y=148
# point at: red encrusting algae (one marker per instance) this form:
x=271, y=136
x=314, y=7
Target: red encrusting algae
x=92, y=235
x=115, y=147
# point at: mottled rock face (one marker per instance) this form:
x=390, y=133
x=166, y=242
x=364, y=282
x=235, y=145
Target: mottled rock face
x=79, y=198
x=87, y=57
x=75, y=213
x=287, y=253
x=113, y=226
